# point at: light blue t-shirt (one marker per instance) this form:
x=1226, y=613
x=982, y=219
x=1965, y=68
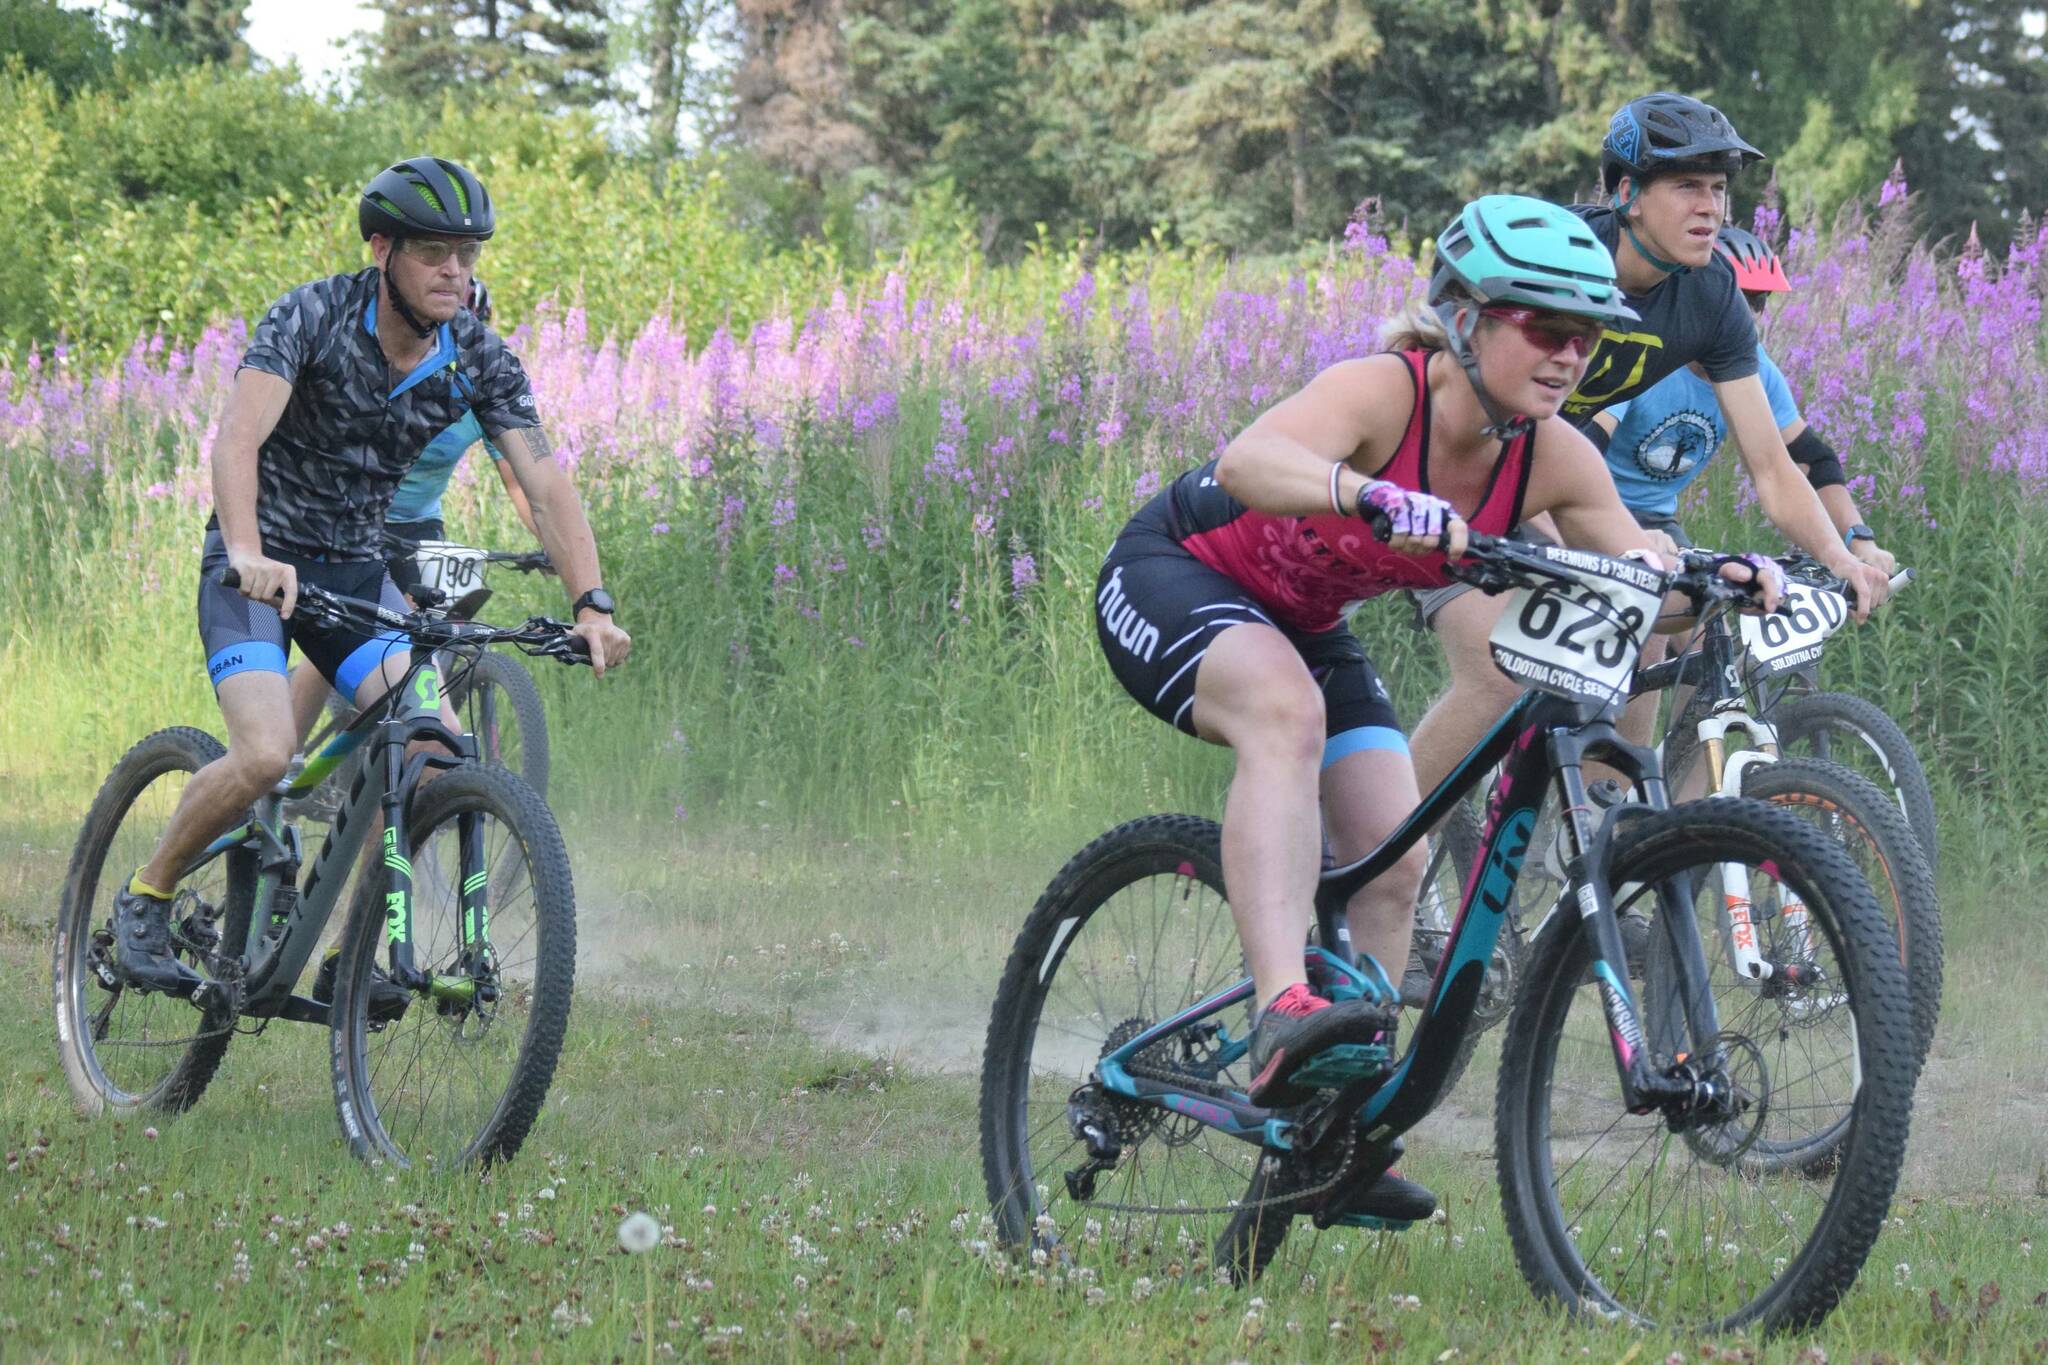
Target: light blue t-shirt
x=419, y=494
x=1668, y=434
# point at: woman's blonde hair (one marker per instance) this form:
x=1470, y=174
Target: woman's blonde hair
x=1417, y=327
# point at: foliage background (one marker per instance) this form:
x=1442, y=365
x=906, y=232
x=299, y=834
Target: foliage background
x=932, y=294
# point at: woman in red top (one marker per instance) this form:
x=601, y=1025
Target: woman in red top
x=1222, y=605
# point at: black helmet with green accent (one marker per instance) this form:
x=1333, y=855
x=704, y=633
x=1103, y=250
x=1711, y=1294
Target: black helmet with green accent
x=426, y=197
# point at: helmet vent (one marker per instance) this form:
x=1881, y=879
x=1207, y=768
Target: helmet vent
x=433, y=201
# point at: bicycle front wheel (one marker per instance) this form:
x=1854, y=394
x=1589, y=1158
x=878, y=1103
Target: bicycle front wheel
x=126, y=1050
x=1664, y=1218
x=1862, y=820
x=458, y=1072
x=1858, y=735
x=501, y=707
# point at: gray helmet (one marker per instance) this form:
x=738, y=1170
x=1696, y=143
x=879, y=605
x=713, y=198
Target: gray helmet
x=426, y=197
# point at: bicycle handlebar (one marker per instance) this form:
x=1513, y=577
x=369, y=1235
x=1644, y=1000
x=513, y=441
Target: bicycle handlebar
x=1809, y=570
x=527, y=561
x=540, y=635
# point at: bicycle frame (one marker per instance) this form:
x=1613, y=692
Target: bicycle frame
x=287, y=917
x=1543, y=740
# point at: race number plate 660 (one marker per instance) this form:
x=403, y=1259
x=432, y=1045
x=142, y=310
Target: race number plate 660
x=1791, y=637
x=1580, y=637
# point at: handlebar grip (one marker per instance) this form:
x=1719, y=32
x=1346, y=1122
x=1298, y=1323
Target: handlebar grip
x=231, y=578
x=577, y=645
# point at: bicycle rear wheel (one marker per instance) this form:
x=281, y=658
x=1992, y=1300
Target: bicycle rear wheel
x=461, y=1075
x=1664, y=1218
x=126, y=1050
x=1134, y=929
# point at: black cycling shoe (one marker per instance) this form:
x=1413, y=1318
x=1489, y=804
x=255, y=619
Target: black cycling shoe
x=388, y=999
x=1391, y=1199
x=1304, y=1043
x=142, y=945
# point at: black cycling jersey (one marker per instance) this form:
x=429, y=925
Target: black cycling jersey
x=1696, y=314
x=353, y=428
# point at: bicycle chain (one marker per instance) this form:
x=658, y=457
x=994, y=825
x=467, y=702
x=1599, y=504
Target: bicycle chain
x=226, y=974
x=1305, y=1195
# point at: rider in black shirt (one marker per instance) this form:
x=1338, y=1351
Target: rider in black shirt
x=1665, y=163
x=343, y=383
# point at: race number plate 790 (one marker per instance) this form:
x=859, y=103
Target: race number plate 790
x=1792, y=636
x=449, y=568
x=1579, y=637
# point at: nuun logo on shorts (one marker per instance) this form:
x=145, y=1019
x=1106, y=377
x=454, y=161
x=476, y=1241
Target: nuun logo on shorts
x=1121, y=619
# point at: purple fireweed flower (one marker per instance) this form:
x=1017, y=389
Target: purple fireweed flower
x=784, y=575
x=1146, y=486
x=1078, y=302
x=783, y=512
x=874, y=537
x=984, y=525
x=1023, y=573
x=660, y=528
x=1894, y=188
x=728, y=521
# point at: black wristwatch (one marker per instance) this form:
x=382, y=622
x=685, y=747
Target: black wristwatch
x=597, y=599
x=1858, y=532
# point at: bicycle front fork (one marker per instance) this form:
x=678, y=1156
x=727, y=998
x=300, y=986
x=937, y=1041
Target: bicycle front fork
x=1645, y=1085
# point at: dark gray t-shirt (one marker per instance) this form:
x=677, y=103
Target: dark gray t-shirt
x=352, y=429
x=1697, y=314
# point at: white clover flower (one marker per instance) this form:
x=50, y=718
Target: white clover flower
x=639, y=1232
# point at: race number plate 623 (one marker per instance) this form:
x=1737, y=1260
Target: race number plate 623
x=1791, y=637
x=1580, y=637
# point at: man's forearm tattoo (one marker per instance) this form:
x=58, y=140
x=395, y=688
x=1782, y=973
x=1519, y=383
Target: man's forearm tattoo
x=537, y=444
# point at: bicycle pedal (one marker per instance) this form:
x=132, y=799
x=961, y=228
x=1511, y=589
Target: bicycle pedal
x=1366, y=1220
x=1340, y=1064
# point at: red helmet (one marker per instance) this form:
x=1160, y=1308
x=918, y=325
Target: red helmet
x=1757, y=267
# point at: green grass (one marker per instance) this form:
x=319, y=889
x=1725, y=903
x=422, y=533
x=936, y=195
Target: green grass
x=773, y=1053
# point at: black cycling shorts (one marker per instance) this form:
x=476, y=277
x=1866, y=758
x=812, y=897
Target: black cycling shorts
x=1157, y=608
x=240, y=635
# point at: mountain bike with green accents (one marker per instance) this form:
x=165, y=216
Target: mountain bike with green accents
x=451, y=990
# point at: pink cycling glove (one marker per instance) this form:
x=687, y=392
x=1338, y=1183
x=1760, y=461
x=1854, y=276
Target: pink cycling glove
x=1408, y=512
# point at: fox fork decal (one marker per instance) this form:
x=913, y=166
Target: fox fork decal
x=476, y=911
x=397, y=890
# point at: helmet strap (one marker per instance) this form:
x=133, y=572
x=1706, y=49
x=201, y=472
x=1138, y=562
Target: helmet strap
x=398, y=303
x=1500, y=424
x=1621, y=209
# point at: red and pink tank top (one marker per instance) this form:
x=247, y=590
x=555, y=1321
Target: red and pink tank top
x=1310, y=572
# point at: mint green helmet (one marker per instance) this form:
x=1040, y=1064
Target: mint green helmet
x=1509, y=248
